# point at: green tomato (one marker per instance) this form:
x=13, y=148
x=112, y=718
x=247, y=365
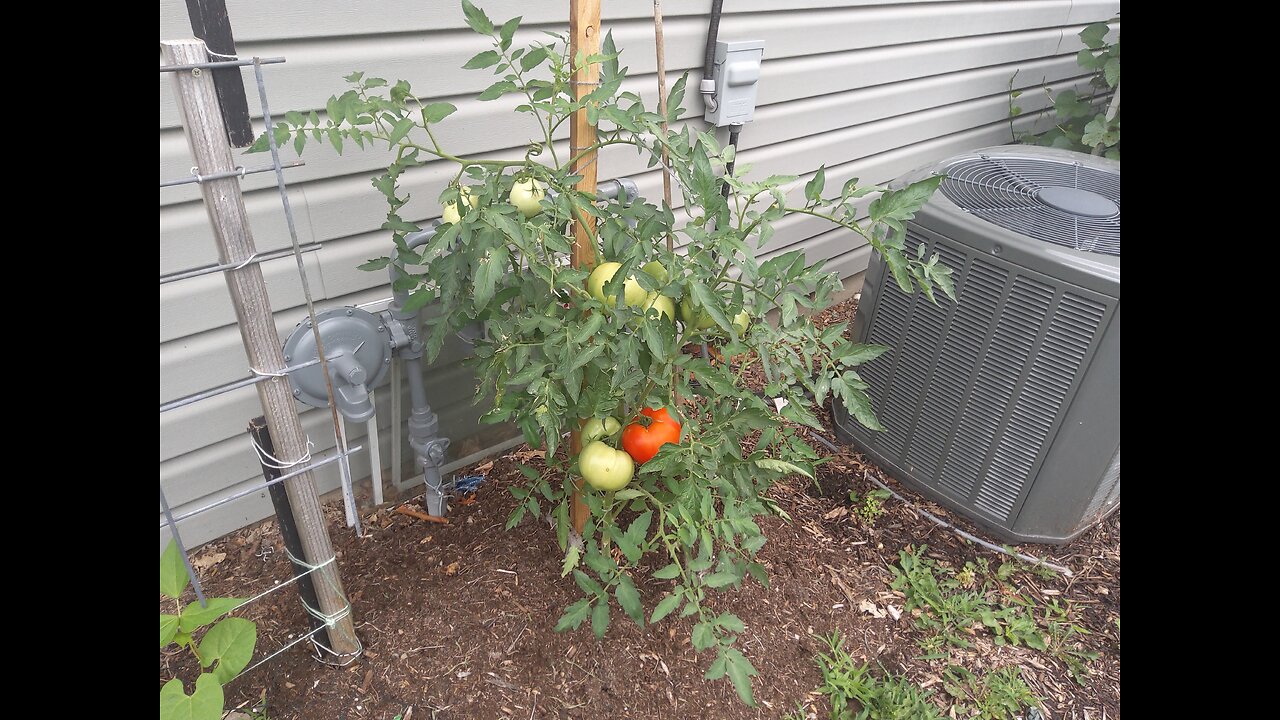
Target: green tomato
x=687, y=314
x=527, y=195
x=605, y=468
x=600, y=428
x=632, y=293
x=451, y=214
x=663, y=304
x=742, y=321
x=658, y=271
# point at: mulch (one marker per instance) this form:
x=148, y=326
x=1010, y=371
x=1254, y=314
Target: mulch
x=457, y=620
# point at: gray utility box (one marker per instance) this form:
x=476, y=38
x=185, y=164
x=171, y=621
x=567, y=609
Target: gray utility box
x=737, y=76
x=1005, y=406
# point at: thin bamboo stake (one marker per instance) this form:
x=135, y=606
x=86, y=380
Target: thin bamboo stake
x=661, y=46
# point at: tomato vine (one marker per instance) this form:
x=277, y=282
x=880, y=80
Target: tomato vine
x=552, y=355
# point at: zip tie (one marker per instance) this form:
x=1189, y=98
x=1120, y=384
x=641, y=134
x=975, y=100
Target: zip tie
x=247, y=262
x=272, y=461
x=221, y=55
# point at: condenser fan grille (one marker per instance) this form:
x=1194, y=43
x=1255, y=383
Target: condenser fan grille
x=1055, y=201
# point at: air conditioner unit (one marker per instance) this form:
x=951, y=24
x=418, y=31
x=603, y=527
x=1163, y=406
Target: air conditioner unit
x=1005, y=405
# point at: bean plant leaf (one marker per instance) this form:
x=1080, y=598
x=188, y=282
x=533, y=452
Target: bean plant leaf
x=168, y=628
x=1095, y=35
x=229, y=644
x=194, y=616
x=173, y=572
x=203, y=704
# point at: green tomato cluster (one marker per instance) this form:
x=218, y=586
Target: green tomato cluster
x=634, y=294
x=701, y=320
x=451, y=214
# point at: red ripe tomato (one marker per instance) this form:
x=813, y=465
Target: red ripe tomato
x=642, y=443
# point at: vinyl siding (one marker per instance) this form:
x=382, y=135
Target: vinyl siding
x=870, y=89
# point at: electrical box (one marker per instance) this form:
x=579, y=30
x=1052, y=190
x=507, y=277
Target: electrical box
x=737, y=75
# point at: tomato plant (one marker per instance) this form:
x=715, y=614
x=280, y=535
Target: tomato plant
x=556, y=351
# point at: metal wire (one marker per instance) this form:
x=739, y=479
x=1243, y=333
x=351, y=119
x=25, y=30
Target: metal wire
x=221, y=64
x=339, y=436
x=264, y=486
x=259, y=376
x=327, y=621
x=240, y=172
x=255, y=258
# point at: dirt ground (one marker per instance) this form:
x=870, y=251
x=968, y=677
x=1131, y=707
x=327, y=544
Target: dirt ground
x=457, y=619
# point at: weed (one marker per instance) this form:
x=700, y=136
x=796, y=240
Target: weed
x=999, y=695
x=945, y=614
x=848, y=683
x=871, y=506
x=1063, y=642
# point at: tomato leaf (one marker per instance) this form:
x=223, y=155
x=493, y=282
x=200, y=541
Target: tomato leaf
x=740, y=672
x=587, y=584
x=720, y=579
x=574, y=615
x=600, y=618
x=813, y=189
x=437, y=111
x=629, y=599
x=704, y=636
x=664, y=608
x=476, y=18
x=669, y=572
x=781, y=466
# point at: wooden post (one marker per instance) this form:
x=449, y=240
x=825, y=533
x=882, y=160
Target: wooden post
x=207, y=137
x=584, y=39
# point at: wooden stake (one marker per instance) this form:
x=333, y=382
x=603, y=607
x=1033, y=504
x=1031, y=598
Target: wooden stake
x=207, y=137
x=584, y=40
